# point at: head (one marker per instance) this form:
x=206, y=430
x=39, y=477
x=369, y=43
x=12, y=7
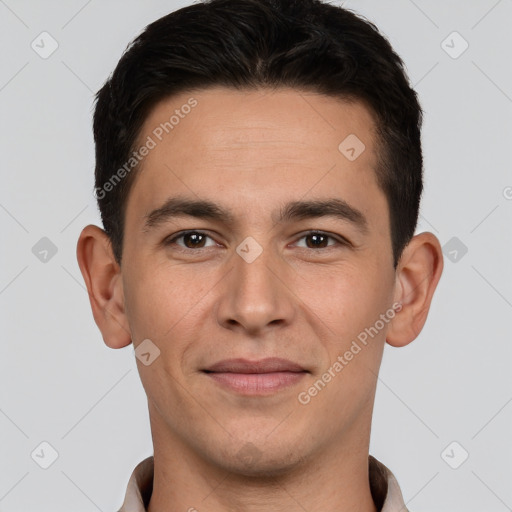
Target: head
x=285, y=135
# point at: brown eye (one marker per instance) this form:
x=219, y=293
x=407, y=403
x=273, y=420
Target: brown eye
x=190, y=240
x=317, y=241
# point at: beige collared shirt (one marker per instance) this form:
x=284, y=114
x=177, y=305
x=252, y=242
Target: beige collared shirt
x=385, y=490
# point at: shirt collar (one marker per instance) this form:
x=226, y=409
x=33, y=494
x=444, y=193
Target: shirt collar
x=383, y=484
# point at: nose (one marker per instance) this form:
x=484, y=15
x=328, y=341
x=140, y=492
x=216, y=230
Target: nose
x=256, y=295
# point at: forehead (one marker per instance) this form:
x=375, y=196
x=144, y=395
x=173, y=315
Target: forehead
x=255, y=145
x=224, y=116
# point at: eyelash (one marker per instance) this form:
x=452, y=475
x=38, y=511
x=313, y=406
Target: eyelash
x=340, y=240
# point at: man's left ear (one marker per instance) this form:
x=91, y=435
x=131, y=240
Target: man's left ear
x=418, y=272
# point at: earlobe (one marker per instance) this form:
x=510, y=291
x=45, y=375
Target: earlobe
x=417, y=276
x=102, y=276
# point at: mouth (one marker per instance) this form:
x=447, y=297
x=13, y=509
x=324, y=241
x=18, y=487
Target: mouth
x=262, y=377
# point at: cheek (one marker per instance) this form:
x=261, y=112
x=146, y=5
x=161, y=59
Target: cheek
x=345, y=301
x=350, y=303
x=154, y=300
x=164, y=301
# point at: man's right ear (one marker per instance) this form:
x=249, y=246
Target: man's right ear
x=102, y=276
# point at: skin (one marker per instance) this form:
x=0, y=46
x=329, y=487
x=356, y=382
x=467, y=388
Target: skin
x=251, y=152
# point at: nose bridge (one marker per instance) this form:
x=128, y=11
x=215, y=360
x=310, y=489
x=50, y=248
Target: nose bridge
x=253, y=296
x=252, y=265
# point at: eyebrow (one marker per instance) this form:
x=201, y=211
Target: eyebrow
x=291, y=211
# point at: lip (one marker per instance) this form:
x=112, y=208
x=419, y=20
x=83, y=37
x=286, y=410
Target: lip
x=267, y=365
x=261, y=377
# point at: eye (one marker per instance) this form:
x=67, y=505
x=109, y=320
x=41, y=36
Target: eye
x=198, y=240
x=320, y=240
x=190, y=239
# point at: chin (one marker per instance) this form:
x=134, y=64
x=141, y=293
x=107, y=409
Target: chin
x=253, y=461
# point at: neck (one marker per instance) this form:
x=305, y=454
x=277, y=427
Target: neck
x=332, y=480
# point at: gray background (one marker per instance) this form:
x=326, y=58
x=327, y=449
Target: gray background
x=62, y=385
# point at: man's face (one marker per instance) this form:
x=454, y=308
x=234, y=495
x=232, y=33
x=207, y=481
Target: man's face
x=213, y=296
